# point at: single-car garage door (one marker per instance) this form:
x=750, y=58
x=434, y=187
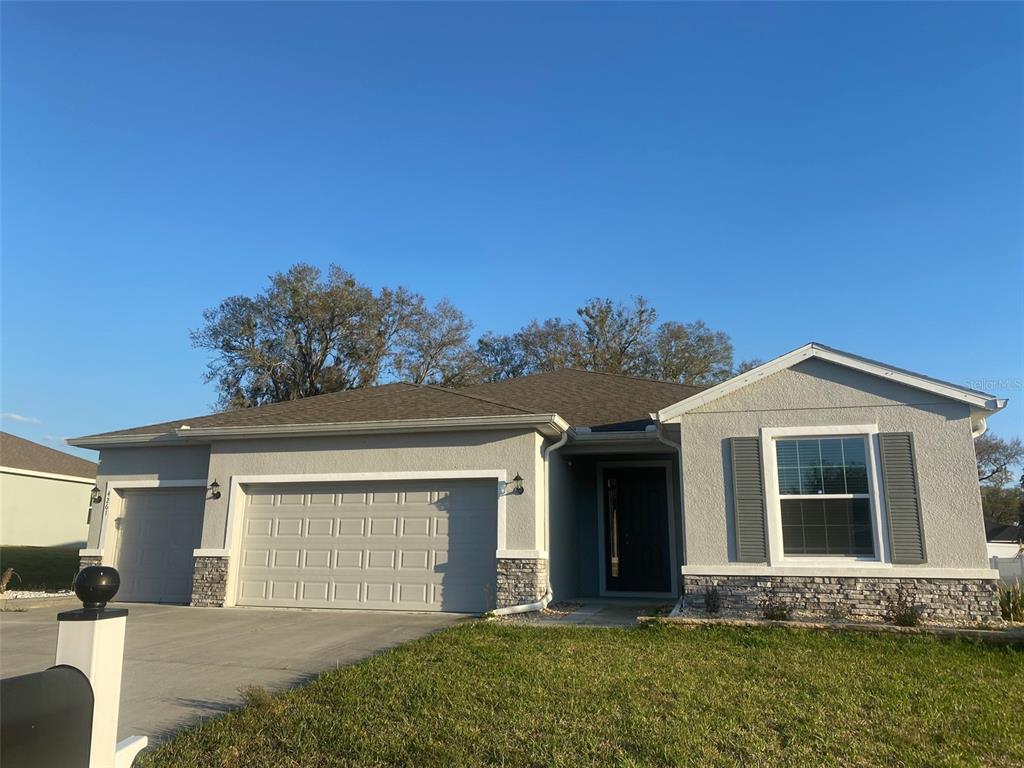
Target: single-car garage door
x=427, y=546
x=156, y=533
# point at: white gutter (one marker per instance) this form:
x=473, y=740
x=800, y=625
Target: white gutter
x=48, y=475
x=550, y=424
x=541, y=604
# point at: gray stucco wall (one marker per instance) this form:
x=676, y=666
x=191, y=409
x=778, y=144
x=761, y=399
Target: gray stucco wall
x=147, y=463
x=819, y=393
x=512, y=451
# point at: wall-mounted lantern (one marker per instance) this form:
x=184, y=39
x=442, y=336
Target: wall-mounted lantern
x=517, y=484
x=214, y=490
x=95, y=495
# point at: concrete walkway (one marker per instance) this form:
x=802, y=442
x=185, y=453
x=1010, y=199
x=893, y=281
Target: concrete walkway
x=185, y=664
x=591, y=612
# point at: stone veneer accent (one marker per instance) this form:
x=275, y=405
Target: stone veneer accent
x=209, y=582
x=860, y=596
x=521, y=581
x=87, y=560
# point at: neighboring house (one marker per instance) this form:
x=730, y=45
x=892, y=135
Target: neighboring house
x=830, y=476
x=1006, y=549
x=44, y=495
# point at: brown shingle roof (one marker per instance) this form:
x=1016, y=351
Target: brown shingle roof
x=19, y=453
x=587, y=398
x=390, y=402
x=582, y=398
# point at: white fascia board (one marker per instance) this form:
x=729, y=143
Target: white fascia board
x=111, y=441
x=48, y=475
x=549, y=424
x=979, y=400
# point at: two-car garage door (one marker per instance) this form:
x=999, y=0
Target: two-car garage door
x=411, y=545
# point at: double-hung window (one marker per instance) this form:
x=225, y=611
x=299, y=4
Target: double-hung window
x=824, y=496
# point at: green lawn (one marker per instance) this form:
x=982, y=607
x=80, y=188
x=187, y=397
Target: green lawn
x=40, y=568
x=656, y=695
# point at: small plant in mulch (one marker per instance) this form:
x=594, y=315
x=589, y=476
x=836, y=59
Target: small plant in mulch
x=774, y=607
x=712, y=600
x=1011, y=600
x=900, y=609
x=5, y=579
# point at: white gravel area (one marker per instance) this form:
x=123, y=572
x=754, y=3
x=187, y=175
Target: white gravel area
x=22, y=594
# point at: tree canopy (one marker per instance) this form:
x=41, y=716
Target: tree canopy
x=310, y=332
x=1002, y=489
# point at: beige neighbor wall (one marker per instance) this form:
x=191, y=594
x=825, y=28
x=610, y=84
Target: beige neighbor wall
x=146, y=463
x=819, y=393
x=512, y=451
x=43, y=512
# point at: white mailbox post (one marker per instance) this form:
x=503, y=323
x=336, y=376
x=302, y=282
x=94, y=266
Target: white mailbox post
x=91, y=639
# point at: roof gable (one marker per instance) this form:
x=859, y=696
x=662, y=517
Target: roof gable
x=979, y=401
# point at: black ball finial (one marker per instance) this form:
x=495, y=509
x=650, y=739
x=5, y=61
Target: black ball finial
x=96, y=585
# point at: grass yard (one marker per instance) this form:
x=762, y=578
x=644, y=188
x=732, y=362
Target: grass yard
x=40, y=568
x=485, y=693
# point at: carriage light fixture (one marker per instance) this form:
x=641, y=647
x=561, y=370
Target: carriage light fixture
x=517, y=484
x=214, y=490
x=95, y=495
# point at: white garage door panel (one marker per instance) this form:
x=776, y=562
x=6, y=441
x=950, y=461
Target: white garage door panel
x=412, y=545
x=157, y=531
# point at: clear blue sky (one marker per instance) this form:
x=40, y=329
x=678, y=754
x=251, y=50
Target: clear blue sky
x=845, y=173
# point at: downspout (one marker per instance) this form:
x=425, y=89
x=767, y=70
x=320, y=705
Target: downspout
x=541, y=604
x=979, y=426
x=682, y=516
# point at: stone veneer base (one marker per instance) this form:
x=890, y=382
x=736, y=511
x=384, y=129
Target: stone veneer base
x=209, y=582
x=521, y=581
x=858, y=596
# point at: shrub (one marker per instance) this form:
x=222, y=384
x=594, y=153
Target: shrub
x=712, y=600
x=255, y=696
x=901, y=611
x=1011, y=600
x=774, y=608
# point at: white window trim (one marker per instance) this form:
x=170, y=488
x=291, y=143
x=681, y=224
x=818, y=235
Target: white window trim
x=773, y=506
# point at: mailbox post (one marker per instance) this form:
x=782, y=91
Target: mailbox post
x=91, y=639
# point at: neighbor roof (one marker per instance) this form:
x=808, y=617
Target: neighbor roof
x=582, y=398
x=1003, y=532
x=587, y=398
x=19, y=453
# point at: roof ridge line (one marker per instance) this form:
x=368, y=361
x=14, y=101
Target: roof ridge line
x=449, y=391
x=634, y=378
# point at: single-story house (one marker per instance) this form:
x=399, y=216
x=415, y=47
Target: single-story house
x=829, y=476
x=44, y=495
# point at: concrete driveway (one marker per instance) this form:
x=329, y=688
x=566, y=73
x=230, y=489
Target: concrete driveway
x=185, y=664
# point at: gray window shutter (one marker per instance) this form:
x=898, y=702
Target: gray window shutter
x=748, y=500
x=902, y=497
